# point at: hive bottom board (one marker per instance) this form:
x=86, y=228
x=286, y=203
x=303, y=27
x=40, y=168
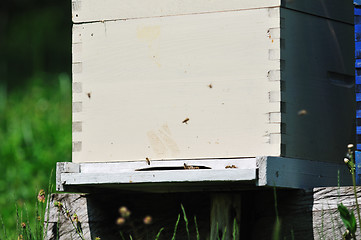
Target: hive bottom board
x=196, y=175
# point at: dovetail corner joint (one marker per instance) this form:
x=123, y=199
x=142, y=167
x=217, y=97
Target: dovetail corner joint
x=77, y=87
x=77, y=127
x=77, y=67
x=77, y=107
x=77, y=146
x=274, y=75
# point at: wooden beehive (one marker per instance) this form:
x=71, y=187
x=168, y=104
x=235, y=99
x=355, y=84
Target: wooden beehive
x=180, y=79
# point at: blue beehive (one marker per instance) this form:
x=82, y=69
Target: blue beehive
x=357, y=4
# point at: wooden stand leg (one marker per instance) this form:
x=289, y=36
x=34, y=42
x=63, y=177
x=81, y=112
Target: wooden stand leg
x=225, y=213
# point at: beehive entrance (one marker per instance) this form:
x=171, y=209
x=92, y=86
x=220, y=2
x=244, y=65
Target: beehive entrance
x=185, y=167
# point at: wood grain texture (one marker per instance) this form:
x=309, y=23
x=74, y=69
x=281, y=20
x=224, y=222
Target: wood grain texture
x=142, y=78
x=93, y=10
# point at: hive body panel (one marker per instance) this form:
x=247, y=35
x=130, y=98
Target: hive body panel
x=318, y=91
x=230, y=79
x=179, y=87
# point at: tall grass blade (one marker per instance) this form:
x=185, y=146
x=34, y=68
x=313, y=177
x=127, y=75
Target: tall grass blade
x=175, y=227
x=235, y=229
x=37, y=225
x=276, y=230
x=352, y=165
x=277, y=227
x=275, y=202
x=224, y=233
x=50, y=185
x=185, y=220
x=348, y=218
x=18, y=229
x=130, y=237
x=196, y=226
x=3, y=227
x=28, y=227
x=355, y=194
x=319, y=233
x=121, y=235
x=158, y=235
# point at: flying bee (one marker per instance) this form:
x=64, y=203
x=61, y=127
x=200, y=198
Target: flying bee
x=185, y=121
x=302, y=112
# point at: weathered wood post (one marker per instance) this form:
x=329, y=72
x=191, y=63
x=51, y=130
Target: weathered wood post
x=179, y=96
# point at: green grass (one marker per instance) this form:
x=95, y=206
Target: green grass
x=35, y=133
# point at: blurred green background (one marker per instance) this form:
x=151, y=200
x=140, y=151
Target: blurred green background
x=35, y=101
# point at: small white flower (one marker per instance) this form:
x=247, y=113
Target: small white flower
x=350, y=146
x=346, y=160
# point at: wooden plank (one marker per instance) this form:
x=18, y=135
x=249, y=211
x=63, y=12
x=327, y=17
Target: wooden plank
x=319, y=112
x=173, y=176
x=141, y=79
x=297, y=173
x=93, y=10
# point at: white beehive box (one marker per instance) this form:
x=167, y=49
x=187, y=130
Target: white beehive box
x=179, y=79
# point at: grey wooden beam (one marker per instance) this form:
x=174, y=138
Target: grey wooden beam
x=301, y=174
